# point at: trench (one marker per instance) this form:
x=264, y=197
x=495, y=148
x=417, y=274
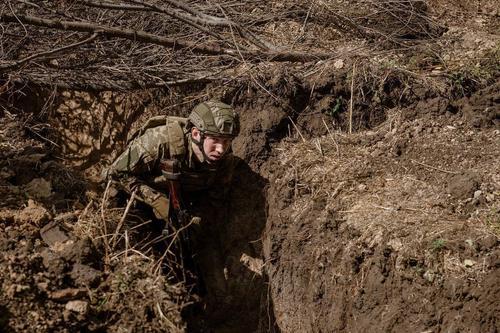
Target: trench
x=228, y=274
x=234, y=292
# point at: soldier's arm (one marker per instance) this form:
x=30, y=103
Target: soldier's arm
x=136, y=165
x=141, y=155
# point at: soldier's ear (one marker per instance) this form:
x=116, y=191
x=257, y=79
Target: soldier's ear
x=195, y=133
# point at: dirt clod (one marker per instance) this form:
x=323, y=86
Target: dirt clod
x=67, y=294
x=84, y=275
x=34, y=213
x=80, y=307
x=464, y=185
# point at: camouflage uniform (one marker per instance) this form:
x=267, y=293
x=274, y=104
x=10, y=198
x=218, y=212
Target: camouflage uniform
x=138, y=170
x=204, y=187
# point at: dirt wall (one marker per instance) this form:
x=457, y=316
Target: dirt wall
x=391, y=230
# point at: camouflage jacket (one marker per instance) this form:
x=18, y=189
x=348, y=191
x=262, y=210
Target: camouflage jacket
x=137, y=169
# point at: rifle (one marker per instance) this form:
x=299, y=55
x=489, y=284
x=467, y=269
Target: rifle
x=171, y=170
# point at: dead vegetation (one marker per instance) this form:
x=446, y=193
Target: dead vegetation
x=138, y=44
x=310, y=75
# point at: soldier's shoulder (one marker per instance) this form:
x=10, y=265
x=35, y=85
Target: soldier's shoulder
x=156, y=127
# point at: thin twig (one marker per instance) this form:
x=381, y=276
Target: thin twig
x=331, y=137
x=122, y=220
x=435, y=168
x=162, y=316
x=174, y=238
x=298, y=131
x=105, y=229
x=352, y=98
x=46, y=53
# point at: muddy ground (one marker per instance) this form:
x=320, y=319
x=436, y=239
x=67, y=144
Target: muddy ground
x=392, y=228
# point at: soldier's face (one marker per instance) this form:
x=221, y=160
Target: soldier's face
x=215, y=147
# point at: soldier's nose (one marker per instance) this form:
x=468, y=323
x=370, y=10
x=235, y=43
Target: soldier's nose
x=219, y=148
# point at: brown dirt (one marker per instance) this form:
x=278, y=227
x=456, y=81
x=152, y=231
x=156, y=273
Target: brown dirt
x=393, y=230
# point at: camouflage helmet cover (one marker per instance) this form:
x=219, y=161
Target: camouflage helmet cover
x=215, y=118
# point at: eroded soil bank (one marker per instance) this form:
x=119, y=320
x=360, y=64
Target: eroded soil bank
x=391, y=230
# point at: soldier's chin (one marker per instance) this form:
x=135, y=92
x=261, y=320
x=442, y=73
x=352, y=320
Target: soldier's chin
x=213, y=159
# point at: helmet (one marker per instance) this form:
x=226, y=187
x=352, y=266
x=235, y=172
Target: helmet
x=215, y=118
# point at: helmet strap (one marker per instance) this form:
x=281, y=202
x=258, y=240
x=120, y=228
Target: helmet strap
x=200, y=143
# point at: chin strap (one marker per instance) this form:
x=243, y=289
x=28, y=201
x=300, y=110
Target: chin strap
x=200, y=146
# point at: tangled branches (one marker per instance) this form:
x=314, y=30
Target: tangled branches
x=122, y=45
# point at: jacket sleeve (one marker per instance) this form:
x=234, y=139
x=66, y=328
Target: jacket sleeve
x=135, y=167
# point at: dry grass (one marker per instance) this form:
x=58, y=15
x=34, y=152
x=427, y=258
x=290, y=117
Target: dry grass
x=138, y=273
x=391, y=200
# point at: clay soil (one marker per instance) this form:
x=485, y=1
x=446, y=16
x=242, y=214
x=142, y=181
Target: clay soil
x=394, y=227
x=391, y=230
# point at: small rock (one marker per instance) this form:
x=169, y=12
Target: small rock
x=53, y=233
x=80, y=307
x=477, y=194
x=429, y=276
x=468, y=263
x=338, y=64
x=470, y=242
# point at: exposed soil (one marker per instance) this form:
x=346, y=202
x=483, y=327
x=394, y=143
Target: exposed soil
x=404, y=235
x=392, y=228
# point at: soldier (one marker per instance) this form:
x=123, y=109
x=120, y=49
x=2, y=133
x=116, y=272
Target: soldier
x=173, y=158
x=183, y=167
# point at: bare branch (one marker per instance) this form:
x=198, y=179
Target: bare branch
x=46, y=53
x=198, y=18
x=175, y=44
x=181, y=17
x=107, y=5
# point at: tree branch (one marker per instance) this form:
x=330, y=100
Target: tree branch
x=107, y=5
x=46, y=53
x=175, y=44
x=197, y=19
x=105, y=84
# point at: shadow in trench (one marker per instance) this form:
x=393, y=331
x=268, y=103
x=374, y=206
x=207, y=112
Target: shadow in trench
x=4, y=319
x=230, y=263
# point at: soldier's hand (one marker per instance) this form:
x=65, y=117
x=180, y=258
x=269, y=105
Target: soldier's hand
x=161, y=207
